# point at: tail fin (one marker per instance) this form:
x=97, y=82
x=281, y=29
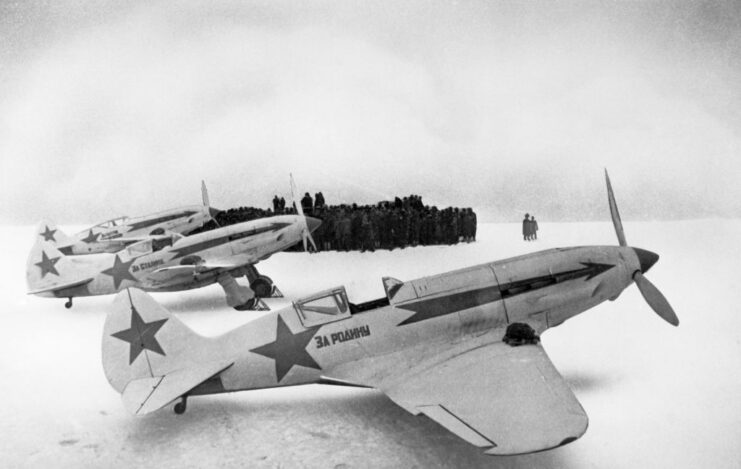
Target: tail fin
x=49, y=232
x=51, y=273
x=150, y=356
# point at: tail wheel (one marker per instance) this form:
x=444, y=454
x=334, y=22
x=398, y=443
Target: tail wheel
x=262, y=286
x=68, y=303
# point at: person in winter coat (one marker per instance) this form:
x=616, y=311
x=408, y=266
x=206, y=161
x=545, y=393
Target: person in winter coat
x=307, y=204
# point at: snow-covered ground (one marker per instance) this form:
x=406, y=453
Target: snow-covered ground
x=657, y=396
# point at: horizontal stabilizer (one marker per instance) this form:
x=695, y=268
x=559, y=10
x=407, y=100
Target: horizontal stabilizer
x=145, y=395
x=61, y=286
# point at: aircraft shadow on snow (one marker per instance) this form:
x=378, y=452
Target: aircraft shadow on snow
x=373, y=412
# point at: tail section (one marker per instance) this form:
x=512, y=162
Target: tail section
x=48, y=232
x=51, y=273
x=150, y=356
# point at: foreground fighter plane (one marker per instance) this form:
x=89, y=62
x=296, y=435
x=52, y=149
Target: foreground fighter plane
x=461, y=347
x=172, y=262
x=117, y=233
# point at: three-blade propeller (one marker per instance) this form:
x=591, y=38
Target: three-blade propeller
x=305, y=230
x=651, y=294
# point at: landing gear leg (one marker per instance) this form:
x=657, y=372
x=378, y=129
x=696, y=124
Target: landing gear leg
x=181, y=406
x=236, y=295
x=68, y=304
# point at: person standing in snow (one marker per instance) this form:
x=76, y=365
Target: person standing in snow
x=526, y=227
x=307, y=204
x=533, y=228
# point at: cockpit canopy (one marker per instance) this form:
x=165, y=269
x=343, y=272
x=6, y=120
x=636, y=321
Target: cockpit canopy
x=323, y=307
x=112, y=222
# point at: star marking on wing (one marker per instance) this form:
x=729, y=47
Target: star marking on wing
x=120, y=271
x=48, y=234
x=288, y=349
x=47, y=265
x=140, y=335
x=91, y=238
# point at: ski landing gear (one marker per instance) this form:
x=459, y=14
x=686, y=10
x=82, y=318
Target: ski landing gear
x=181, y=406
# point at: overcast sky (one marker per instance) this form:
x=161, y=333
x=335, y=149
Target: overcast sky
x=109, y=109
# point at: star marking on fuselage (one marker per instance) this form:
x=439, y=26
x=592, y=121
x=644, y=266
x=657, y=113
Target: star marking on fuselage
x=140, y=335
x=48, y=234
x=288, y=349
x=120, y=271
x=47, y=264
x=91, y=238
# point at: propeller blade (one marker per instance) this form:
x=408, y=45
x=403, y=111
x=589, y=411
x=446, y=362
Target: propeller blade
x=212, y=212
x=305, y=231
x=311, y=239
x=655, y=299
x=204, y=194
x=617, y=223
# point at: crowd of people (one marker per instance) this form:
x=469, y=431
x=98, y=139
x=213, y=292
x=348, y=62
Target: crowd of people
x=529, y=228
x=386, y=225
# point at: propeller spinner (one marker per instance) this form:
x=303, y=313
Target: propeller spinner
x=646, y=259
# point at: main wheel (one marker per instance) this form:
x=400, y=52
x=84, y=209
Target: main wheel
x=262, y=286
x=181, y=406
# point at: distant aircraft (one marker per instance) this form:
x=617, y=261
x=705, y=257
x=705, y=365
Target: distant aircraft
x=461, y=347
x=117, y=233
x=172, y=262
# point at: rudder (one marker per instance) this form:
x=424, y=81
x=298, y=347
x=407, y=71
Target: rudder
x=48, y=232
x=47, y=270
x=142, y=339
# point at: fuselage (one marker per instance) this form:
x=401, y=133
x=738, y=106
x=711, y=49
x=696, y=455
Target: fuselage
x=141, y=264
x=103, y=236
x=306, y=342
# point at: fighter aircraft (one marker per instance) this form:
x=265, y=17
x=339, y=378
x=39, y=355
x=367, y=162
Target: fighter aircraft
x=462, y=347
x=172, y=262
x=117, y=233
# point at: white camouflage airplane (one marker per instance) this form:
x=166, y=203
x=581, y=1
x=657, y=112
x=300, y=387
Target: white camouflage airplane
x=461, y=347
x=172, y=262
x=117, y=233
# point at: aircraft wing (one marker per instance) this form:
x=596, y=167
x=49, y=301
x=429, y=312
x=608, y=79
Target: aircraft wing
x=61, y=286
x=166, y=273
x=145, y=395
x=510, y=400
